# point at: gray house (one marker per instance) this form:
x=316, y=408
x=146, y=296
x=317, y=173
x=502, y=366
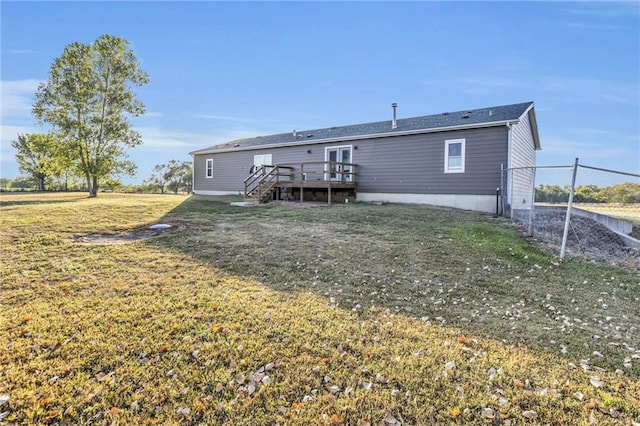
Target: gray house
x=452, y=159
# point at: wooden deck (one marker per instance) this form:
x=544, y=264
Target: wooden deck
x=296, y=181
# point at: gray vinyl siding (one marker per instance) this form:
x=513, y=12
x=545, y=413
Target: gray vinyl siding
x=523, y=154
x=401, y=164
x=415, y=164
x=231, y=168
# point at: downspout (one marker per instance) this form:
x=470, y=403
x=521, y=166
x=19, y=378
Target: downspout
x=508, y=192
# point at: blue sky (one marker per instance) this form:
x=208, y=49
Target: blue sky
x=222, y=71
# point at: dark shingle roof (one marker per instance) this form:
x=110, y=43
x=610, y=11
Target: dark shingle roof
x=479, y=117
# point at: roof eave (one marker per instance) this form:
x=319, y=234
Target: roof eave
x=360, y=137
x=534, y=127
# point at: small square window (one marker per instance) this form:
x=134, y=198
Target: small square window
x=209, y=169
x=454, y=156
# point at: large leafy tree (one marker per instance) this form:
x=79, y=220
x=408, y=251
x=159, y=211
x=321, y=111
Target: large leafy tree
x=88, y=99
x=39, y=157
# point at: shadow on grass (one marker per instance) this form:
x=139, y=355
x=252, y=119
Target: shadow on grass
x=446, y=267
x=8, y=199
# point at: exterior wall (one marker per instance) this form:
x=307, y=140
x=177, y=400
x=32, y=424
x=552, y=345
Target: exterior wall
x=395, y=165
x=415, y=164
x=231, y=168
x=522, y=154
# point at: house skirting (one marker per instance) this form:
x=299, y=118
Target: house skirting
x=482, y=203
x=201, y=192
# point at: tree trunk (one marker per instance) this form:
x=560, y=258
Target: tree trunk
x=90, y=187
x=41, y=184
x=93, y=192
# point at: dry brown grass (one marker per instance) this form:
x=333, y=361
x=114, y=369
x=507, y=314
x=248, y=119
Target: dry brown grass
x=330, y=315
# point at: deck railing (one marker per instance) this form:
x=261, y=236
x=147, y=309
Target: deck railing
x=324, y=171
x=266, y=178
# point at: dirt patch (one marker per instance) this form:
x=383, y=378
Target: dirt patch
x=119, y=238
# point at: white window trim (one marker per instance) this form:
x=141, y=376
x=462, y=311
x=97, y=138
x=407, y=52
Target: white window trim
x=207, y=168
x=446, y=155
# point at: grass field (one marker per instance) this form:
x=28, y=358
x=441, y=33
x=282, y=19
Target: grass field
x=302, y=314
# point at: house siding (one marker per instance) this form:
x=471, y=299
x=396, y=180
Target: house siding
x=523, y=154
x=415, y=164
x=411, y=164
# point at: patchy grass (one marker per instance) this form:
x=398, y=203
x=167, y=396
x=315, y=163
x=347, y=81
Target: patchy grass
x=301, y=314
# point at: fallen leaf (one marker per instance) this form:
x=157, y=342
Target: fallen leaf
x=456, y=412
x=53, y=413
x=335, y=419
x=462, y=339
x=518, y=383
x=590, y=404
x=530, y=414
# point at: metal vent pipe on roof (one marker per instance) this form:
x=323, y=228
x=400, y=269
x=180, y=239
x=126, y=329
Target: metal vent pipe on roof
x=394, y=123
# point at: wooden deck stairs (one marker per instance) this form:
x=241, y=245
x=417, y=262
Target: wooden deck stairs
x=270, y=182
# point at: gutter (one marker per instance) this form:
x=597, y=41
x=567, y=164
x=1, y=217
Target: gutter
x=507, y=123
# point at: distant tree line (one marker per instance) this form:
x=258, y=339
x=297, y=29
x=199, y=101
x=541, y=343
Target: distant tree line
x=175, y=176
x=627, y=192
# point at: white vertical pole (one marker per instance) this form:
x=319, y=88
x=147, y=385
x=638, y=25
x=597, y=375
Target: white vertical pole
x=533, y=201
x=510, y=178
x=567, y=219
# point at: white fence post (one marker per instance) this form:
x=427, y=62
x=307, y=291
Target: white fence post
x=565, y=235
x=533, y=202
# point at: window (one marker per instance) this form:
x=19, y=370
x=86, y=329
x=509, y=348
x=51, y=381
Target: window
x=454, y=156
x=209, y=167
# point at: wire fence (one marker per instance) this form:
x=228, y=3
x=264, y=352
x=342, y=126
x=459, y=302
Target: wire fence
x=578, y=210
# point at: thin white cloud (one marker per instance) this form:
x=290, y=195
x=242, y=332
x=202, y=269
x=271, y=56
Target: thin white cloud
x=151, y=114
x=559, y=88
x=225, y=118
x=20, y=51
x=571, y=148
x=589, y=132
x=605, y=11
x=16, y=97
x=590, y=25
x=240, y=120
x=162, y=139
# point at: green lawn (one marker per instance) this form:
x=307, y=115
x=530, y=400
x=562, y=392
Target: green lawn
x=302, y=314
